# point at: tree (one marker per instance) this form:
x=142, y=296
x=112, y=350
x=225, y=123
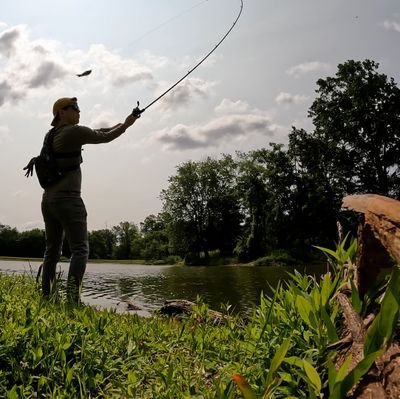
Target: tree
x=357, y=116
x=101, y=244
x=354, y=148
x=154, y=240
x=31, y=243
x=8, y=241
x=125, y=233
x=202, y=207
x=265, y=185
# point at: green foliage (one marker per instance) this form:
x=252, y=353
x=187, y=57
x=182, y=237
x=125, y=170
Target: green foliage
x=277, y=258
x=356, y=115
x=380, y=333
x=49, y=349
x=202, y=208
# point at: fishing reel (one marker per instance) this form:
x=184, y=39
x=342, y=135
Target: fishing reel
x=137, y=111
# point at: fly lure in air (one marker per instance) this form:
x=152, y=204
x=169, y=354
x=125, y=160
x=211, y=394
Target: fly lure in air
x=137, y=111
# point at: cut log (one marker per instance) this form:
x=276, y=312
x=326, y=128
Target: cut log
x=378, y=236
x=179, y=307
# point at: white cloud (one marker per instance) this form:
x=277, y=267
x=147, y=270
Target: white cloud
x=308, y=67
x=289, y=99
x=46, y=73
x=8, y=40
x=392, y=25
x=186, y=91
x=29, y=67
x=116, y=69
x=228, y=107
x=216, y=132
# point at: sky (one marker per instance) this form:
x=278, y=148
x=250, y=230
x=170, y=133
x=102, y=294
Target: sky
x=258, y=84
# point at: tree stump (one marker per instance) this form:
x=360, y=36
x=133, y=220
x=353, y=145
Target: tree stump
x=378, y=237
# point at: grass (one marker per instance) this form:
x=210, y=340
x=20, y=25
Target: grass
x=49, y=349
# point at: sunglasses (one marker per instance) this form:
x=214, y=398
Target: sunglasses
x=73, y=106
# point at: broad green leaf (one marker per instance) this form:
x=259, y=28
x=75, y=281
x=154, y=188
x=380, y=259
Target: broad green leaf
x=332, y=376
x=329, y=252
x=355, y=298
x=342, y=387
x=305, y=310
x=326, y=289
x=312, y=374
x=343, y=371
x=277, y=360
x=330, y=327
x=381, y=330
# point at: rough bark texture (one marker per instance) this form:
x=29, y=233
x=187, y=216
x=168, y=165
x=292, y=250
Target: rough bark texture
x=379, y=251
x=378, y=236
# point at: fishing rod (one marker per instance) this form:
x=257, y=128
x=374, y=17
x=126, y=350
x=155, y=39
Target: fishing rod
x=137, y=111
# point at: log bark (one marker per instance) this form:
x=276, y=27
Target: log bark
x=378, y=236
x=179, y=307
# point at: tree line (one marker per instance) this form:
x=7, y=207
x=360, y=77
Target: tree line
x=280, y=198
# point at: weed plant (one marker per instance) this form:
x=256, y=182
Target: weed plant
x=51, y=350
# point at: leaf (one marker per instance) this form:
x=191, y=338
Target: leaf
x=313, y=375
x=244, y=386
x=305, y=310
x=326, y=289
x=330, y=327
x=355, y=298
x=381, y=330
x=329, y=252
x=342, y=387
x=277, y=361
x=332, y=376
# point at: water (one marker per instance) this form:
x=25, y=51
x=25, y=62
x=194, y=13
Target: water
x=109, y=285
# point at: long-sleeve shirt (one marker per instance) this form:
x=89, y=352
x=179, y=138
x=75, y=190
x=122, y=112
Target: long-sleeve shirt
x=71, y=138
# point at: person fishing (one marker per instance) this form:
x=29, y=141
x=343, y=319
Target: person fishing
x=63, y=209
x=62, y=206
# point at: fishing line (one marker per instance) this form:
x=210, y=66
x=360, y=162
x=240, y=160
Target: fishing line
x=137, y=111
x=157, y=27
x=166, y=22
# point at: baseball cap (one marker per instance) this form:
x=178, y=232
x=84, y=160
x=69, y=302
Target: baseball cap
x=60, y=104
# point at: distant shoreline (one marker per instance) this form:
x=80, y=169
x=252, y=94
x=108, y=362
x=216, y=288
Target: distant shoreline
x=128, y=261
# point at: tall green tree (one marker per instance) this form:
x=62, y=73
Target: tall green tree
x=357, y=115
x=8, y=241
x=202, y=207
x=354, y=147
x=265, y=185
x=126, y=234
x=101, y=244
x=154, y=238
x=31, y=243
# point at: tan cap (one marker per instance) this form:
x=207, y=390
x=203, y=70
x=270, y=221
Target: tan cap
x=60, y=104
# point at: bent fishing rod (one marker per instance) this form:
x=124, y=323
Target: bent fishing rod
x=137, y=111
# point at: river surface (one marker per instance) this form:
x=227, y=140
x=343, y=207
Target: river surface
x=113, y=285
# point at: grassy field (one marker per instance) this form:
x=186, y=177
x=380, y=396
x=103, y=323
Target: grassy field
x=49, y=349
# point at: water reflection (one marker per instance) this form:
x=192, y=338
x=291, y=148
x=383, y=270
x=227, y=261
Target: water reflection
x=113, y=285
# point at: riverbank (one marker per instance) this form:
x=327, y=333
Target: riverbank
x=271, y=260
x=52, y=350
x=285, y=348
